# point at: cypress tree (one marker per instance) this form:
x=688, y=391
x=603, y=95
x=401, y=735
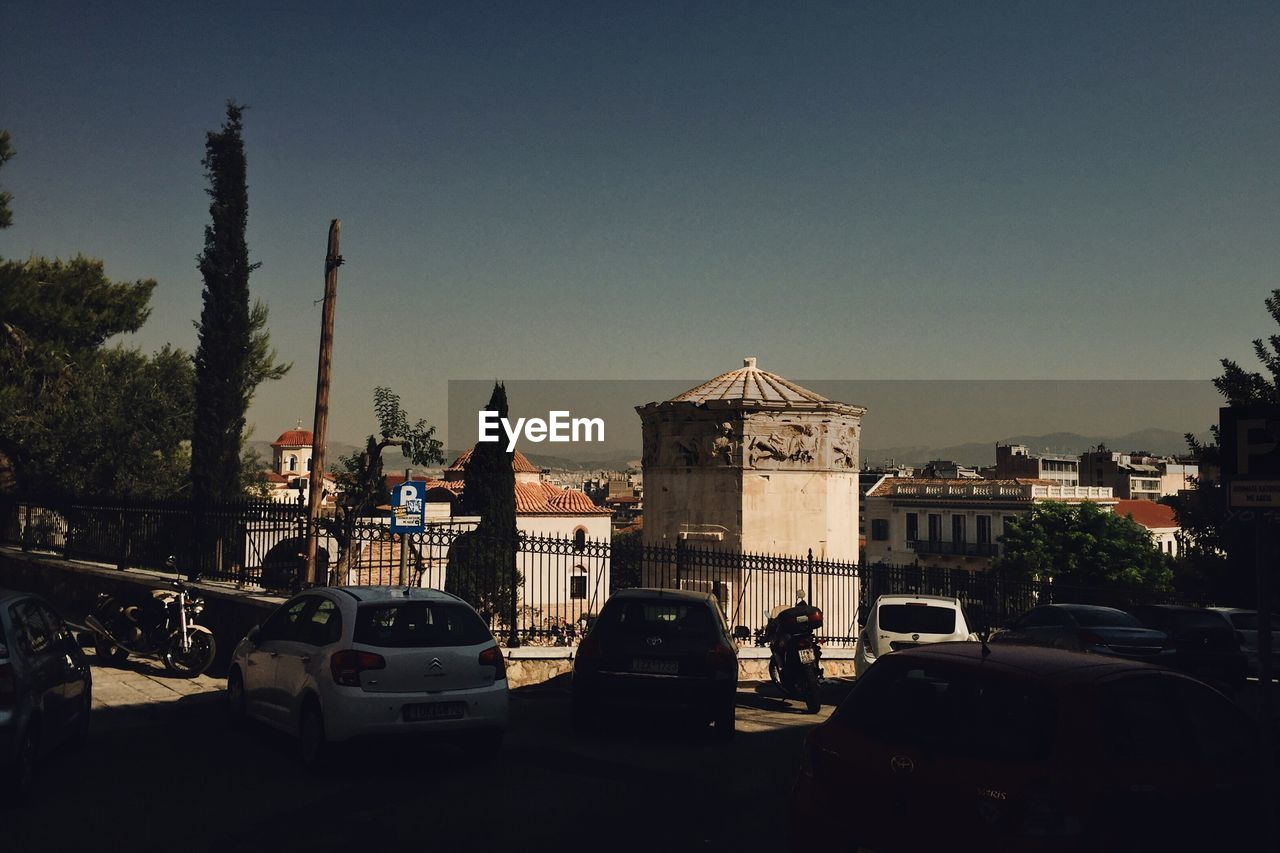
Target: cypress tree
x=233, y=354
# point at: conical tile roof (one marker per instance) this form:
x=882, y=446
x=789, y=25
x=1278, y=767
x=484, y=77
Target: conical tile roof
x=750, y=384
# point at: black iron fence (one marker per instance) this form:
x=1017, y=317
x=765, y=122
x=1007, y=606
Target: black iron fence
x=542, y=589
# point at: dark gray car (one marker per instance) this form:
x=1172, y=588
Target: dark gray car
x=45, y=687
x=1088, y=628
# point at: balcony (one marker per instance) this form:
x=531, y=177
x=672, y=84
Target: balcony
x=953, y=549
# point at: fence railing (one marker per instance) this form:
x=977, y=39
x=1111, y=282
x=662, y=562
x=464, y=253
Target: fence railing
x=543, y=589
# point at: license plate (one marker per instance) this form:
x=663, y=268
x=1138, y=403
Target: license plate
x=435, y=711
x=806, y=656
x=655, y=667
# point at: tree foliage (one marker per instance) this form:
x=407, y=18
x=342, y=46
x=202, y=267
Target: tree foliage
x=359, y=476
x=78, y=417
x=482, y=562
x=234, y=354
x=6, y=198
x=1218, y=557
x=1081, y=544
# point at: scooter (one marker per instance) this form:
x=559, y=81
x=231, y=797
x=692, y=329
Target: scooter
x=162, y=625
x=795, y=654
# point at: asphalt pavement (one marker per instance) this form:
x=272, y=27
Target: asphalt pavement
x=171, y=774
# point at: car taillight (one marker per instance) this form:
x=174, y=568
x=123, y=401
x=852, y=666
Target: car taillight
x=1088, y=638
x=8, y=688
x=493, y=657
x=721, y=656
x=347, y=665
x=588, y=648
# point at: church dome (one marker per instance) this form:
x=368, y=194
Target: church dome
x=293, y=438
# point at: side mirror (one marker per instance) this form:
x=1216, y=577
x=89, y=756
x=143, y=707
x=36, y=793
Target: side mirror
x=171, y=562
x=254, y=633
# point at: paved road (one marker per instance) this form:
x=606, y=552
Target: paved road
x=172, y=775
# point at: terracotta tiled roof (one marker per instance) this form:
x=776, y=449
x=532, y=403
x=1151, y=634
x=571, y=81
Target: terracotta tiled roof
x=574, y=502
x=749, y=383
x=1149, y=514
x=519, y=463
x=622, y=499
x=273, y=477
x=393, y=480
x=293, y=438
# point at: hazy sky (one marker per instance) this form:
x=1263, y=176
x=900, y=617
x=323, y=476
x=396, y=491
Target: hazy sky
x=612, y=190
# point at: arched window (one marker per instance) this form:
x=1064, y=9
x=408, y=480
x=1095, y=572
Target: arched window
x=293, y=464
x=580, y=539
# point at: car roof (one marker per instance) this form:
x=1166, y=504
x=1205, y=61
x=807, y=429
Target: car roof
x=675, y=594
x=1172, y=608
x=369, y=594
x=899, y=596
x=1083, y=607
x=1055, y=665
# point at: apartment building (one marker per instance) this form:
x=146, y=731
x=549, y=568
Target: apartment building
x=1136, y=476
x=1018, y=462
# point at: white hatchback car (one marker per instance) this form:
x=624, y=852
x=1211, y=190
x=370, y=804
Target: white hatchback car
x=337, y=663
x=902, y=621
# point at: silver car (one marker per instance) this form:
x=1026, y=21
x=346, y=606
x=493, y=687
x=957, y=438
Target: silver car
x=45, y=687
x=334, y=664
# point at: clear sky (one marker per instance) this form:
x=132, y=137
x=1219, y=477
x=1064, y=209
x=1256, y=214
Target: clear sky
x=608, y=190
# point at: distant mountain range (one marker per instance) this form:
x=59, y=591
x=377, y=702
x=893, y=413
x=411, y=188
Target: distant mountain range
x=1156, y=441
x=1159, y=442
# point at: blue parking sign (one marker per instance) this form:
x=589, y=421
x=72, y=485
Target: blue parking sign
x=409, y=507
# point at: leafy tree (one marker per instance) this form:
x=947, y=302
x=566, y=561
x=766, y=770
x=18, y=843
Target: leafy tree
x=1217, y=560
x=78, y=417
x=6, y=198
x=234, y=354
x=1081, y=544
x=482, y=562
x=359, y=477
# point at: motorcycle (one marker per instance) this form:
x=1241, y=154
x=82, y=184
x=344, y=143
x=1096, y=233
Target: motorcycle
x=795, y=654
x=162, y=625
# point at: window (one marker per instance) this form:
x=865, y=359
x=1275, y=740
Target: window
x=1141, y=720
x=984, y=530
x=580, y=539
x=958, y=531
x=578, y=583
x=308, y=463
x=935, y=527
x=916, y=619
x=324, y=626
x=988, y=716
x=34, y=636
x=913, y=526
x=293, y=464
x=419, y=624
x=880, y=529
x=658, y=618
x=284, y=623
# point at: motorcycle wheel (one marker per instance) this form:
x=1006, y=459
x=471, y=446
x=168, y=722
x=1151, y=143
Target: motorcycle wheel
x=107, y=651
x=199, y=654
x=775, y=674
x=812, y=697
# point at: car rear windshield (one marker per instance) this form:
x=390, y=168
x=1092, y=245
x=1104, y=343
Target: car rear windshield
x=1200, y=620
x=1103, y=617
x=917, y=619
x=418, y=624
x=952, y=711
x=1248, y=621
x=656, y=616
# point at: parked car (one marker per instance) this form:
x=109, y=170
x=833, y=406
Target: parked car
x=899, y=622
x=45, y=687
x=1246, y=623
x=657, y=648
x=1204, y=645
x=1088, y=628
x=1014, y=748
x=339, y=663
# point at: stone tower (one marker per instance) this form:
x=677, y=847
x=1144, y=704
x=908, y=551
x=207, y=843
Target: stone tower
x=755, y=463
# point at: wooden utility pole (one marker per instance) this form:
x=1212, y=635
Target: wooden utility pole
x=332, y=260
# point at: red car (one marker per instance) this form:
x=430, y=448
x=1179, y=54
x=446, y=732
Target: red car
x=955, y=747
